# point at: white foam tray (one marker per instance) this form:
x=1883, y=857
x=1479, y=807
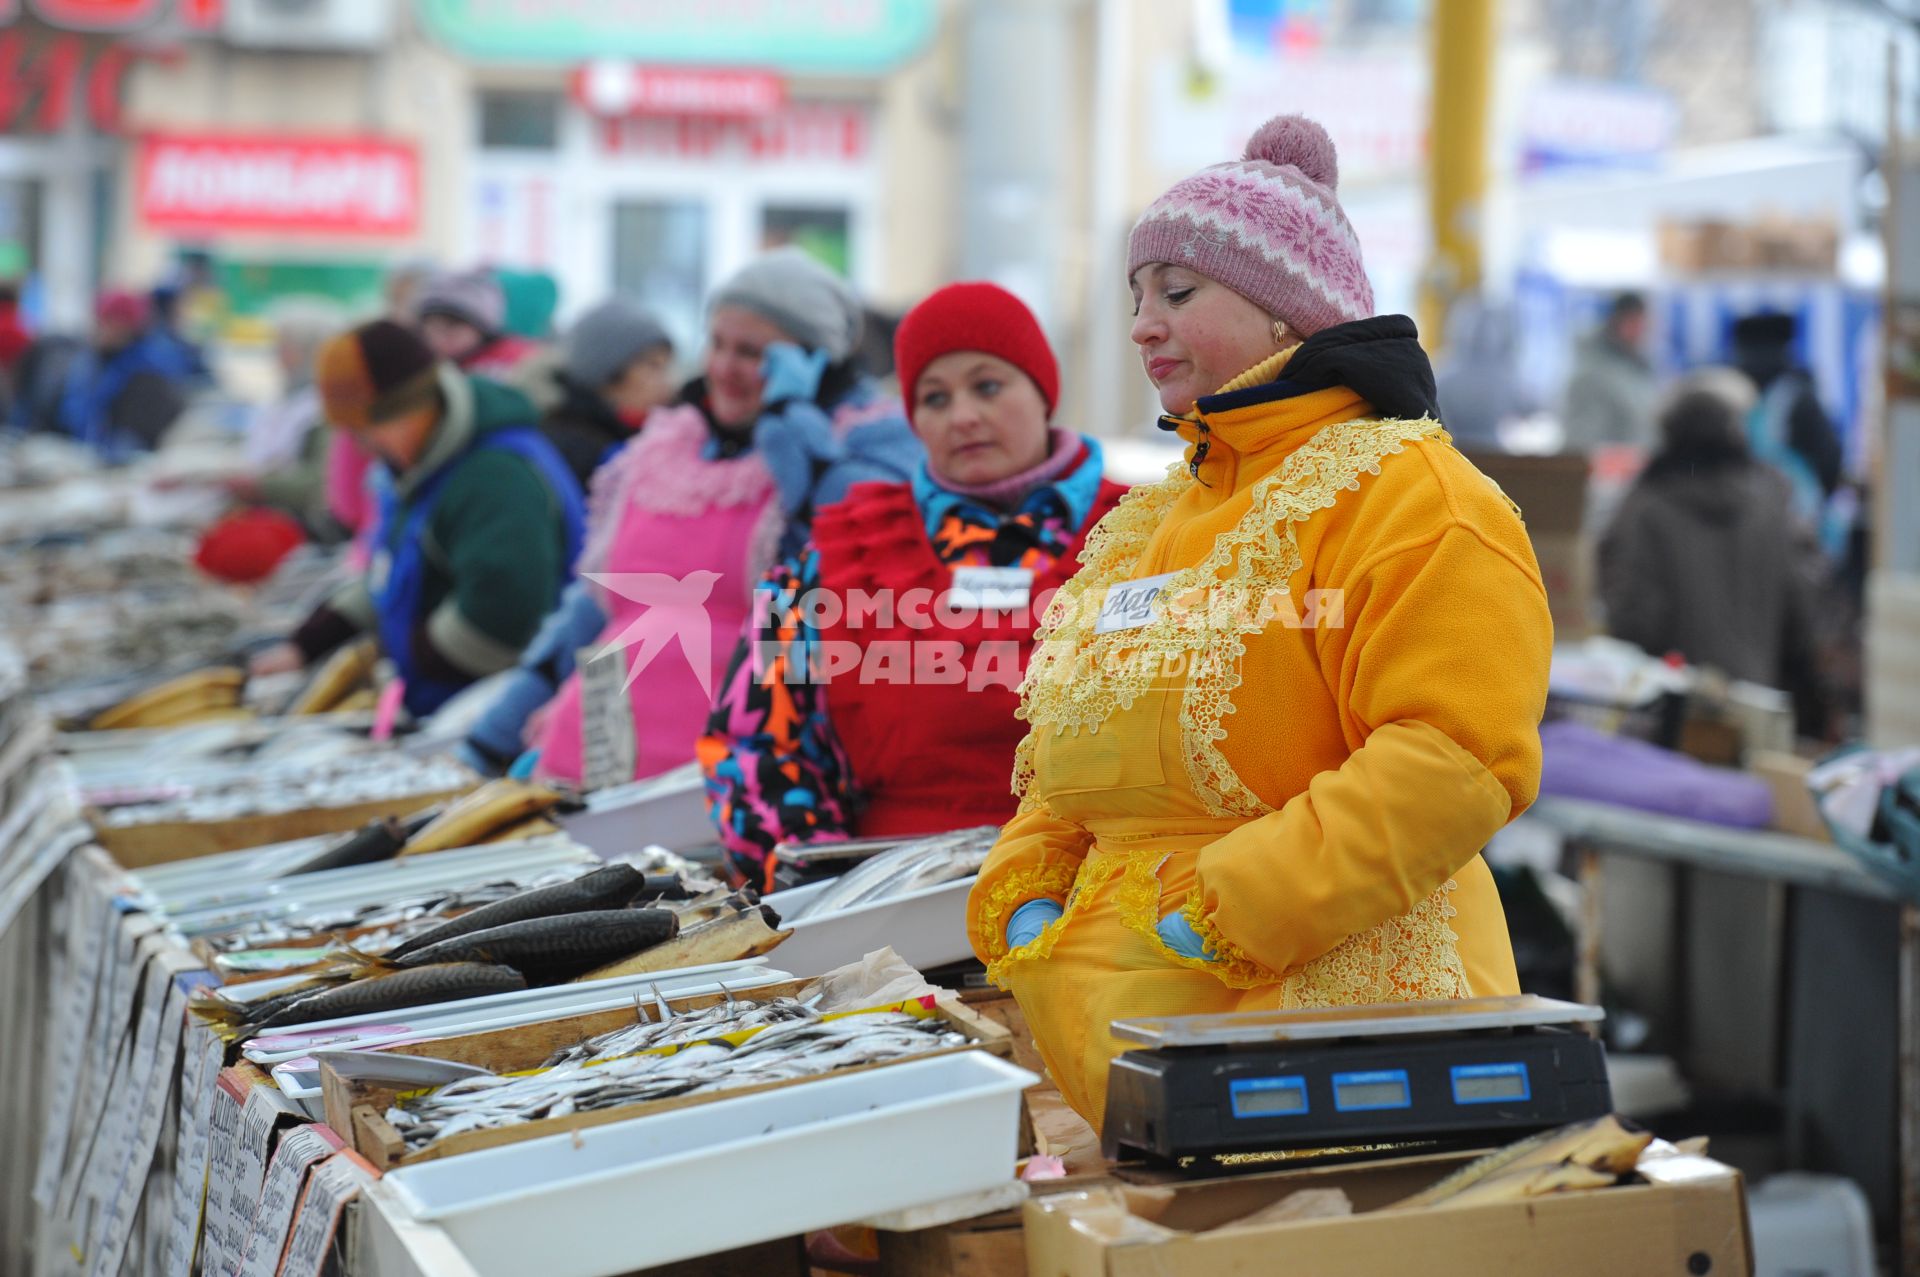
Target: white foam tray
x=504, y=1010
x=668, y=810
x=928, y=928
x=656, y=1190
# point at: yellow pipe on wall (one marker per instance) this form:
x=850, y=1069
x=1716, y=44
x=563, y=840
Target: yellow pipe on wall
x=1465, y=41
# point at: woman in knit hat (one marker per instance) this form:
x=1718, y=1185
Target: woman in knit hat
x=463, y=319
x=1296, y=686
x=686, y=516
x=616, y=368
x=835, y=722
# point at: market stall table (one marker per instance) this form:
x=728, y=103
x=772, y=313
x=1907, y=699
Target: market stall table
x=1593, y=831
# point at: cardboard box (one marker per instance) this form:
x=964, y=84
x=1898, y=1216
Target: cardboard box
x=1691, y=1220
x=1794, y=811
x=164, y=842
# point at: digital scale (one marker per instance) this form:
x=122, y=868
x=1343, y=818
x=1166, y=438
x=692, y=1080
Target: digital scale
x=1264, y=1081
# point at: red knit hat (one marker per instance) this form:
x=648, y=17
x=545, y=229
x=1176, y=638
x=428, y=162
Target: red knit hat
x=247, y=546
x=975, y=316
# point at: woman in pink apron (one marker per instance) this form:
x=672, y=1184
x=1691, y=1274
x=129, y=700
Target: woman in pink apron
x=686, y=518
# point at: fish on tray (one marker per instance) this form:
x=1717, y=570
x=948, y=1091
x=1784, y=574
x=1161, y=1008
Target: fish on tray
x=556, y=947
x=796, y=1047
x=610, y=887
x=415, y=986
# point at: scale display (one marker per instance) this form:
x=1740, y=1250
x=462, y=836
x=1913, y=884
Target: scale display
x=1427, y=1071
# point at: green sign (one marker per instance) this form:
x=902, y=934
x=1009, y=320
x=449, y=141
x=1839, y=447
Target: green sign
x=816, y=36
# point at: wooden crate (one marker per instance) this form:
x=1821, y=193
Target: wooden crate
x=360, y=1108
x=142, y=846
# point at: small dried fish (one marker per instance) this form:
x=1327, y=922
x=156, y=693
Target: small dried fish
x=417, y=986
x=556, y=947
x=922, y=863
x=792, y=1048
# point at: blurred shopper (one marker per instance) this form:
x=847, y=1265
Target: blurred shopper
x=686, y=517
x=14, y=337
x=617, y=367
x=1612, y=393
x=894, y=747
x=164, y=327
x=1705, y=557
x=463, y=317
x=287, y=443
x=1787, y=428
x=401, y=290
x=479, y=518
x=15, y=341
x=1231, y=798
x=122, y=393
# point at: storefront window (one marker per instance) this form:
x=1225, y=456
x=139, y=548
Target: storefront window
x=19, y=228
x=520, y=120
x=825, y=233
x=660, y=261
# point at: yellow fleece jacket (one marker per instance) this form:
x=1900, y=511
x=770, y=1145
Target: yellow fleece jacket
x=1333, y=708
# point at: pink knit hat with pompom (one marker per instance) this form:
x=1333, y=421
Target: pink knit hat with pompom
x=1267, y=226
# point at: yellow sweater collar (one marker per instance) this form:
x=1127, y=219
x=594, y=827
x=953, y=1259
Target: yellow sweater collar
x=1232, y=446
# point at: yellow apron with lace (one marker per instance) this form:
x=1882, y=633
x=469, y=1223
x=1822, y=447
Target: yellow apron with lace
x=1318, y=824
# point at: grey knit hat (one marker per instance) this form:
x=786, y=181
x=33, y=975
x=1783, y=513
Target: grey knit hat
x=804, y=299
x=607, y=338
x=472, y=296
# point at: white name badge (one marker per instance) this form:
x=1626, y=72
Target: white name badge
x=991, y=589
x=1129, y=605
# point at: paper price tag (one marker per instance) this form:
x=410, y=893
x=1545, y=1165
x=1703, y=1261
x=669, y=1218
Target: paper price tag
x=204, y=1052
x=333, y=1184
x=607, y=741
x=1129, y=604
x=257, y=1118
x=223, y=1152
x=991, y=589
x=299, y=1149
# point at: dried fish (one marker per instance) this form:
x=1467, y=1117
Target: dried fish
x=796, y=1046
x=922, y=863
x=417, y=986
x=606, y=888
x=556, y=948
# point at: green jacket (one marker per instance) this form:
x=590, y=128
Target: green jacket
x=495, y=541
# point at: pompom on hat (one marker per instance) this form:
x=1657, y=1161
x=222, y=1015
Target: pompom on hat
x=974, y=316
x=1268, y=226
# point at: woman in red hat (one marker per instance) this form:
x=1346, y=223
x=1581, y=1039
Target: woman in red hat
x=874, y=690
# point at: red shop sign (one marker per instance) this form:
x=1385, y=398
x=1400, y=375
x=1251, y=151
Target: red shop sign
x=307, y=185
x=615, y=89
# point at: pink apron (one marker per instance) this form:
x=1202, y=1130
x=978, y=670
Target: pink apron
x=706, y=530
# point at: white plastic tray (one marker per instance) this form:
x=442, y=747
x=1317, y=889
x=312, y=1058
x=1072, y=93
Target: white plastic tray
x=504, y=1010
x=928, y=928
x=668, y=810
x=655, y=1190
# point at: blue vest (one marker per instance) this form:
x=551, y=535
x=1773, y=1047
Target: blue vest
x=396, y=599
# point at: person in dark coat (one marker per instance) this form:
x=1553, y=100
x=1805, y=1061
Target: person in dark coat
x=1788, y=427
x=127, y=389
x=1705, y=557
x=617, y=368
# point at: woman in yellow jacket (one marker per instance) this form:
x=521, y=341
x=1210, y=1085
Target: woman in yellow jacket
x=1296, y=686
